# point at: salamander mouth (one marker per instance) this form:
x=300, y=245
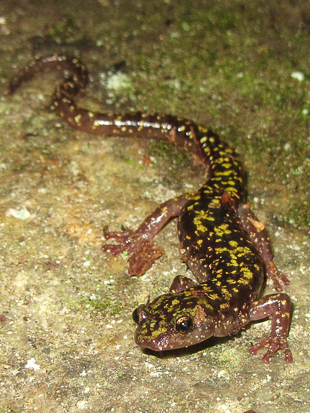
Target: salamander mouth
x=169, y=340
x=160, y=342
x=150, y=346
x=153, y=345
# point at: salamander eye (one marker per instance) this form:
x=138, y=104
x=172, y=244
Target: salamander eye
x=135, y=316
x=139, y=315
x=184, y=324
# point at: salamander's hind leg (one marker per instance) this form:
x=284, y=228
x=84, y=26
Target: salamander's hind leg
x=258, y=235
x=139, y=243
x=277, y=308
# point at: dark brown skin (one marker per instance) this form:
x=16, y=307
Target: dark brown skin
x=222, y=242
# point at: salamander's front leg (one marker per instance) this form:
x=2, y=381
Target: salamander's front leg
x=258, y=235
x=139, y=243
x=277, y=308
x=181, y=283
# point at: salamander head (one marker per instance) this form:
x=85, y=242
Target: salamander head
x=173, y=321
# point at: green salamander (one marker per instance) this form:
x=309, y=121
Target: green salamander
x=224, y=245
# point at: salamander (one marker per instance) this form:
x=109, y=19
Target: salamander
x=221, y=241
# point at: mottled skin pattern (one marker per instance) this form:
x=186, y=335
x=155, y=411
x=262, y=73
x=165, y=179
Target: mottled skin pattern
x=224, y=245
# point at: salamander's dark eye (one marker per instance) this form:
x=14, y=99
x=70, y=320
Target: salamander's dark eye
x=135, y=316
x=140, y=314
x=184, y=324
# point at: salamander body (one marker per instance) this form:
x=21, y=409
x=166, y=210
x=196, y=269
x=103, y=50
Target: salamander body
x=224, y=245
